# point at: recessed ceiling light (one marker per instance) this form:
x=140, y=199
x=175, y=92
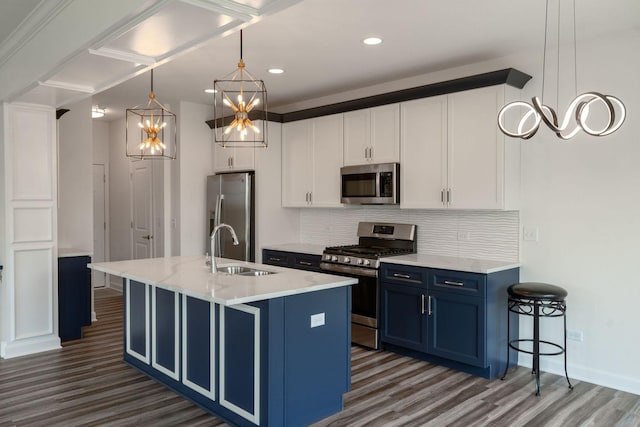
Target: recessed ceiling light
x=372, y=41
x=210, y=90
x=97, y=112
x=276, y=70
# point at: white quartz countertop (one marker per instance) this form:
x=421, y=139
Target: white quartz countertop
x=302, y=248
x=190, y=276
x=469, y=265
x=71, y=252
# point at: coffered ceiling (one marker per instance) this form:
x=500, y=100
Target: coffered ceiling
x=316, y=42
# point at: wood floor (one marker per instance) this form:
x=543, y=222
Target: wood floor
x=87, y=384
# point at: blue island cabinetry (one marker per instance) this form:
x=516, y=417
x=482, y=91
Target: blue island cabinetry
x=283, y=361
x=453, y=318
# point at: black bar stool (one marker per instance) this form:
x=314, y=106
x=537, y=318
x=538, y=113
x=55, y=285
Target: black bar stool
x=537, y=300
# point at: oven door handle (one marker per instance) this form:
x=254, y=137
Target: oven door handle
x=346, y=269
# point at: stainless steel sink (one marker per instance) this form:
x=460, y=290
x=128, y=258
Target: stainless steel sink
x=243, y=271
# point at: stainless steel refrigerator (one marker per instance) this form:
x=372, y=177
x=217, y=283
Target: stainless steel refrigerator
x=230, y=200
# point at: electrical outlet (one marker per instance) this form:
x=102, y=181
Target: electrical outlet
x=530, y=234
x=317, y=320
x=574, y=335
x=464, y=235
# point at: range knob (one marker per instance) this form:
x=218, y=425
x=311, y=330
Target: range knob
x=359, y=262
x=346, y=260
x=334, y=258
x=367, y=262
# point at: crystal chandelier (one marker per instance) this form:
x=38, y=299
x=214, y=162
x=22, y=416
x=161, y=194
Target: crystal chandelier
x=151, y=131
x=240, y=109
x=579, y=109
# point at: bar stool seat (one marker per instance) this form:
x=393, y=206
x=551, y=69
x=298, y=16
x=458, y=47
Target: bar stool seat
x=537, y=300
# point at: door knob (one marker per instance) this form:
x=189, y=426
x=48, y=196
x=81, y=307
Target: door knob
x=147, y=237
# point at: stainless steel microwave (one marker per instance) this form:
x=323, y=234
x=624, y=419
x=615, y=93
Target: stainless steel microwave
x=373, y=184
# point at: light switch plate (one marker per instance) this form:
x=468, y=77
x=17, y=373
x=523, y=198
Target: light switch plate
x=317, y=320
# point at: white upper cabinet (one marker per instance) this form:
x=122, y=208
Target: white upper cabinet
x=454, y=156
x=228, y=159
x=297, y=163
x=372, y=135
x=423, y=168
x=311, y=161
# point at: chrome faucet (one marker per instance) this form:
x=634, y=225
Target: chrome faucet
x=214, y=268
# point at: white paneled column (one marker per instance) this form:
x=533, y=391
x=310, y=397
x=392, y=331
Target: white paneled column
x=28, y=293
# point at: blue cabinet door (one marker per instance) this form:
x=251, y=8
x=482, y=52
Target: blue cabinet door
x=74, y=296
x=278, y=258
x=166, y=331
x=457, y=328
x=403, y=317
x=240, y=360
x=198, y=346
x=137, y=334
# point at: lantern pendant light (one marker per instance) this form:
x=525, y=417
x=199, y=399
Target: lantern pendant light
x=240, y=109
x=151, y=131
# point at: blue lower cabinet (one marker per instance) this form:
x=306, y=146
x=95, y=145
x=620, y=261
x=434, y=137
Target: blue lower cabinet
x=317, y=355
x=165, y=321
x=402, y=318
x=456, y=328
x=240, y=358
x=457, y=319
x=279, y=362
x=137, y=321
x=74, y=296
x=199, y=346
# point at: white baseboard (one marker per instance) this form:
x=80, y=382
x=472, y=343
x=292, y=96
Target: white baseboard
x=555, y=365
x=115, y=283
x=27, y=346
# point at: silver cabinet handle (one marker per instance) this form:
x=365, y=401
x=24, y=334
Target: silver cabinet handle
x=304, y=263
x=448, y=196
x=370, y=153
x=402, y=276
x=271, y=258
x=442, y=196
x=310, y=197
x=422, y=304
x=451, y=283
x=147, y=237
x=429, y=313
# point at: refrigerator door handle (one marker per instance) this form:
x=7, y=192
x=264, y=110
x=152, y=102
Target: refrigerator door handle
x=217, y=221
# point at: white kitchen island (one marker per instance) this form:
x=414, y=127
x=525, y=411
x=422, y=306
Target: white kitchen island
x=255, y=350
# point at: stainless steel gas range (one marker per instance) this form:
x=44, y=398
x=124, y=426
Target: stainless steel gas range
x=362, y=261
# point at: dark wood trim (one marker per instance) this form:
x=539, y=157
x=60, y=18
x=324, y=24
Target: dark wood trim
x=60, y=112
x=509, y=76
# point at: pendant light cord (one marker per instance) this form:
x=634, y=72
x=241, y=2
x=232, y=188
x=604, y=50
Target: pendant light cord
x=241, y=45
x=575, y=52
x=558, y=57
x=544, y=50
x=152, y=80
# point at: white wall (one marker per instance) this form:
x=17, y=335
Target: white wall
x=582, y=196
x=75, y=175
x=274, y=224
x=119, y=199
x=195, y=158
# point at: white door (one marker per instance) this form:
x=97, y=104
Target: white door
x=99, y=223
x=141, y=205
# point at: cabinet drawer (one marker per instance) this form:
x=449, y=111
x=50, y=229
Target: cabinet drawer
x=275, y=258
x=403, y=274
x=305, y=262
x=457, y=282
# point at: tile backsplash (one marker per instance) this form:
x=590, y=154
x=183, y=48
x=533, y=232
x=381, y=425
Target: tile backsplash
x=467, y=234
